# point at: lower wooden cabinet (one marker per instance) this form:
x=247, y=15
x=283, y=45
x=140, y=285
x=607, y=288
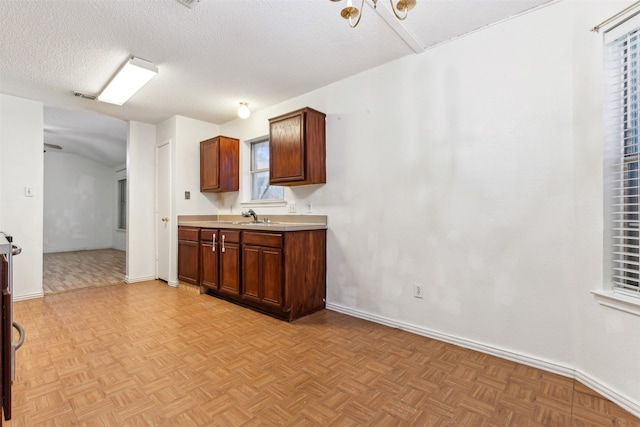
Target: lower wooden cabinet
x=282, y=274
x=251, y=273
x=209, y=258
x=189, y=255
x=304, y=272
x=229, y=262
x=271, y=273
x=262, y=269
x=220, y=261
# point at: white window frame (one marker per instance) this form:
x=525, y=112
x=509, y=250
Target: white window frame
x=250, y=174
x=622, y=167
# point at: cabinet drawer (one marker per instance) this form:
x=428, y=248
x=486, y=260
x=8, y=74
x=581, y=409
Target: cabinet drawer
x=230, y=236
x=188, y=233
x=206, y=234
x=262, y=239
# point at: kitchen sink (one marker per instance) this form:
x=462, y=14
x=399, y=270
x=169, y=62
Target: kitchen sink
x=247, y=223
x=252, y=223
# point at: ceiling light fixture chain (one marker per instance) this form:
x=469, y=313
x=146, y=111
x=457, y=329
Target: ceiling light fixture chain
x=400, y=10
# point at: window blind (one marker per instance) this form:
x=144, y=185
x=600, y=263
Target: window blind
x=622, y=79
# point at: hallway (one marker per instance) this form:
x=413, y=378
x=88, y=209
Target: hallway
x=68, y=271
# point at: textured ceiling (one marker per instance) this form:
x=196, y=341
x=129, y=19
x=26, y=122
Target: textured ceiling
x=216, y=54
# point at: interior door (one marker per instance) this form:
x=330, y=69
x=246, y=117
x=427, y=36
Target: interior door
x=163, y=210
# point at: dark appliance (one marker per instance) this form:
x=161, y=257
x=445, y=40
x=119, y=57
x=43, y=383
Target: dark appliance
x=8, y=350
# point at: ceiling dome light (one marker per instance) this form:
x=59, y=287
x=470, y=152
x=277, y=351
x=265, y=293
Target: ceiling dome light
x=244, y=111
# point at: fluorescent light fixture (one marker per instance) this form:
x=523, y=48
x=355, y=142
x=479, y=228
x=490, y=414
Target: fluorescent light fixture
x=129, y=79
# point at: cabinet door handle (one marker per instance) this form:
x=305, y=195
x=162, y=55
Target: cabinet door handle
x=213, y=247
x=223, y=243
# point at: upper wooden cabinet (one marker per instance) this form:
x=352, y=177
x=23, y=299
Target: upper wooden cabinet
x=297, y=148
x=219, y=164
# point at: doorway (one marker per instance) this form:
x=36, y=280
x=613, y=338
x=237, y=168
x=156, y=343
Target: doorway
x=84, y=168
x=163, y=211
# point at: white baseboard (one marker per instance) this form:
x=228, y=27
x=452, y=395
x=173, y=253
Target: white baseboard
x=173, y=283
x=28, y=296
x=613, y=395
x=75, y=249
x=128, y=279
x=620, y=399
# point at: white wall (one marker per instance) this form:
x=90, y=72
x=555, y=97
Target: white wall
x=21, y=151
x=475, y=169
x=119, y=237
x=141, y=233
x=189, y=133
x=78, y=203
x=185, y=135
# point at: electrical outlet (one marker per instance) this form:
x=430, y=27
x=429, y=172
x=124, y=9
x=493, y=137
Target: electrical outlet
x=418, y=290
x=292, y=208
x=187, y=195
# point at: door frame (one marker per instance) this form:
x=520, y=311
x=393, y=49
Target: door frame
x=173, y=229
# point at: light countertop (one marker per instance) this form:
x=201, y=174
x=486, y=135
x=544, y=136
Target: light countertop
x=276, y=222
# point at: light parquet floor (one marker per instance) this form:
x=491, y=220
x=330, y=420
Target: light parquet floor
x=147, y=354
x=68, y=271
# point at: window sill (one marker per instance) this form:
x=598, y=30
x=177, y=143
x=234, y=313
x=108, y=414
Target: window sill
x=263, y=203
x=617, y=301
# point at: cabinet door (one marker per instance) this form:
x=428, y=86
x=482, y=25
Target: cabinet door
x=228, y=164
x=271, y=267
x=287, y=149
x=209, y=265
x=230, y=268
x=209, y=161
x=251, y=272
x=188, y=258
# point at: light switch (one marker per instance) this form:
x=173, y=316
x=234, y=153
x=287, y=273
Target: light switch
x=187, y=195
x=28, y=192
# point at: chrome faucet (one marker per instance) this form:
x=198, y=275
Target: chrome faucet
x=249, y=213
